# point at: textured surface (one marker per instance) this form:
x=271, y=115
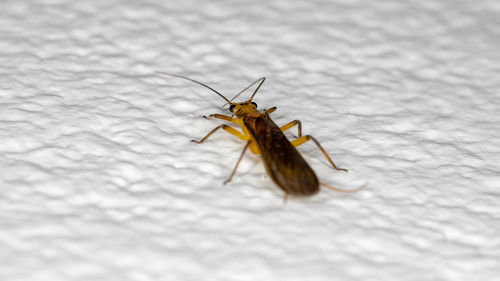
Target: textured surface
x=98, y=180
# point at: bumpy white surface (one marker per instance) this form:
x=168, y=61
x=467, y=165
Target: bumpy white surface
x=100, y=182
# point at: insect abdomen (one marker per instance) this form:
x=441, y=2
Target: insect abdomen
x=284, y=164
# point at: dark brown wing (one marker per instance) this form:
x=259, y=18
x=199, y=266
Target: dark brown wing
x=283, y=162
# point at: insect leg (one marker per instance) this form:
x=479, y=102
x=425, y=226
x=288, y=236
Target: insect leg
x=229, y=129
x=223, y=117
x=303, y=139
x=237, y=163
x=291, y=124
x=270, y=110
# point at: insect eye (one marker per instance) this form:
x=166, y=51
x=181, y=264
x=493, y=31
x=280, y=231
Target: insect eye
x=231, y=108
x=254, y=104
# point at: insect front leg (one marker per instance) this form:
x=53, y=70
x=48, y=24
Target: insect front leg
x=272, y=109
x=228, y=129
x=223, y=117
x=304, y=139
x=291, y=124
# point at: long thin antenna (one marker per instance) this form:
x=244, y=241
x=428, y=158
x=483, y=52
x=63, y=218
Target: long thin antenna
x=192, y=80
x=242, y=91
x=258, y=87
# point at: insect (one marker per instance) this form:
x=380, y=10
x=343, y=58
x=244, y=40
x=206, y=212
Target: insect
x=284, y=164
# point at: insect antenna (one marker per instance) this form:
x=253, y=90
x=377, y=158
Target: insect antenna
x=242, y=91
x=197, y=82
x=258, y=87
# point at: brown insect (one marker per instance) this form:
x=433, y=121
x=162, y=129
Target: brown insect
x=284, y=164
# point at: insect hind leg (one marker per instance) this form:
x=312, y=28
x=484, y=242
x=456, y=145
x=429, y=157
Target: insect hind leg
x=304, y=139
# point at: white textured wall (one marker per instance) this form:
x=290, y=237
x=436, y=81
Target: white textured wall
x=98, y=179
